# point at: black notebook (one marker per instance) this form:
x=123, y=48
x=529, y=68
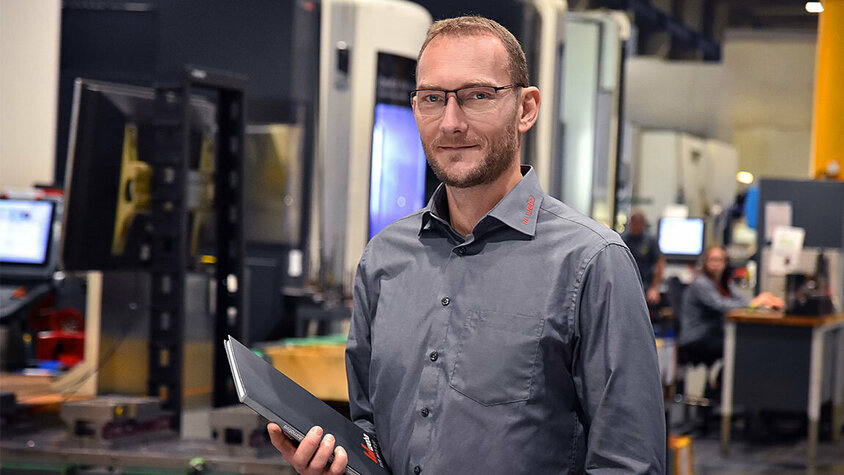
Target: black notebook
x=273, y=395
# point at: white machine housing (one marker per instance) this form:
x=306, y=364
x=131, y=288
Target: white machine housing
x=679, y=168
x=353, y=32
x=592, y=86
x=547, y=73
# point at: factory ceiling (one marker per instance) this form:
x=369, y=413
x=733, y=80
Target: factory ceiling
x=695, y=29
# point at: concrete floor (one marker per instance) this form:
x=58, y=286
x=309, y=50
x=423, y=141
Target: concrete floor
x=754, y=453
x=754, y=457
x=755, y=449
x=751, y=451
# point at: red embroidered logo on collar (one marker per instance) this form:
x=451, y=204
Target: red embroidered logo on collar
x=529, y=210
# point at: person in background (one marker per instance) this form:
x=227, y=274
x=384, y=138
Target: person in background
x=706, y=303
x=496, y=330
x=649, y=259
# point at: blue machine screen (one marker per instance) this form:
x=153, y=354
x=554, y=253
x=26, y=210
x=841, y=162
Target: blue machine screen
x=398, y=167
x=25, y=231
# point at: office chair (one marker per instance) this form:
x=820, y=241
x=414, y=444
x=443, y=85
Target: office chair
x=693, y=373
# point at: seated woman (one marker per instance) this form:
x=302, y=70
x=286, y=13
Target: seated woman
x=705, y=305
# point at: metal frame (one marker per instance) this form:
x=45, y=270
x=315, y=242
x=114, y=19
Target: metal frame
x=169, y=234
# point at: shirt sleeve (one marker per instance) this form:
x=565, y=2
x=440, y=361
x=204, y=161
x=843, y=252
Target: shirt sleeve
x=655, y=247
x=615, y=368
x=358, y=350
x=709, y=297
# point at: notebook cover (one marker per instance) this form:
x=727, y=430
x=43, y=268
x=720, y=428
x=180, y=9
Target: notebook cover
x=279, y=399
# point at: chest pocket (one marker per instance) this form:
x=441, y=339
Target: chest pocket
x=496, y=357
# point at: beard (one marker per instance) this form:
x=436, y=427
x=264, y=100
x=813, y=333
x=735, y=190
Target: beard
x=498, y=159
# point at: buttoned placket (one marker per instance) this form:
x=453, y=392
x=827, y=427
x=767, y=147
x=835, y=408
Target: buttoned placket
x=434, y=378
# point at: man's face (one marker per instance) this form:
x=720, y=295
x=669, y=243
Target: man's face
x=637, y=225
x=468, y=150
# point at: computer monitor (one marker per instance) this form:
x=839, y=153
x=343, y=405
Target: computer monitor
x=108, y=180
x=681, y=239
x=398, y=169
x=27, y=247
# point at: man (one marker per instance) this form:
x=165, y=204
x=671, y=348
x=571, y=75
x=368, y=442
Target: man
x=649, y=259
x=496, y=331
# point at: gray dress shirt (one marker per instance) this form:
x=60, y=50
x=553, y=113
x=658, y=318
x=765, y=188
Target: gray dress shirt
x=703, y=311
x=524, y=348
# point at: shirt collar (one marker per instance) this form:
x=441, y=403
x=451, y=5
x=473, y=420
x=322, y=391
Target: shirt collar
x=437, y=208
x=518, y=209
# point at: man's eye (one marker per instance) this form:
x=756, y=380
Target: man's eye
x=478, y=95
x=433, y=98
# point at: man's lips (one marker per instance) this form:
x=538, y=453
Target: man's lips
x=456, y=147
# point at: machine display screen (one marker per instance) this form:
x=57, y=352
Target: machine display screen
x=397, y=185
x=398, y=167
x=25, y=231
x=681, y=237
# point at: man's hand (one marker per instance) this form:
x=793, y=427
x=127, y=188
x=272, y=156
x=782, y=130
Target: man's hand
x=652, y=295
x=312, y=454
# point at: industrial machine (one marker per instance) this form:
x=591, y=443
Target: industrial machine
x=592, y=113
x=367, y=67
x=154, y=203
x=678, y=169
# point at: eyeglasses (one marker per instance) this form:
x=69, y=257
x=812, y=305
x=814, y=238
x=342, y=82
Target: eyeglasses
x=473, y=100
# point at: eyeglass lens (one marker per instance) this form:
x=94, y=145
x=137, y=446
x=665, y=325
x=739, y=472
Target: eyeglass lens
x=472, y=100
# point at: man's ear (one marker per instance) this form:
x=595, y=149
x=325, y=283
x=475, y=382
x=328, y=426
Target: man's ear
x=529, y=108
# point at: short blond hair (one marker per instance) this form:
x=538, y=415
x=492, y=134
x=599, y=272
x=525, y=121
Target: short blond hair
x=477, y=25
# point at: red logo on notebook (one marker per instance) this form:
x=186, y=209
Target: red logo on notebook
x=529, y=210
x=369, y=453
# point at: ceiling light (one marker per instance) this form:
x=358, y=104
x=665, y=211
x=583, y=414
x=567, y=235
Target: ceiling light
x=744, y=177
x=814, y=7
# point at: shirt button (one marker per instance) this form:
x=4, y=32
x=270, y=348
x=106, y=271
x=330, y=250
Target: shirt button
x=434, y=356
x=417, y=470
x=425, y=412
x=461, y=250
x=445, y=301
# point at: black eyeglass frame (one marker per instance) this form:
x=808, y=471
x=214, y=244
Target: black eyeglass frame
x=414, y=92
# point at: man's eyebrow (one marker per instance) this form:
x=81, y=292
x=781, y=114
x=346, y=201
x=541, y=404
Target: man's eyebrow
x=465, y=85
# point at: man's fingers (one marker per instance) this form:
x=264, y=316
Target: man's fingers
x=341, y=459
x=280, y=441
x=313, y=452
x=307, y=447
x=299, y=457
x=323, y=453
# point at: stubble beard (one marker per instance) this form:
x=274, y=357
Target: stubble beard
x=497, y=160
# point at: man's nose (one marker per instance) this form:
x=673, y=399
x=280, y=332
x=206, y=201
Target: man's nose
x=454, y=119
